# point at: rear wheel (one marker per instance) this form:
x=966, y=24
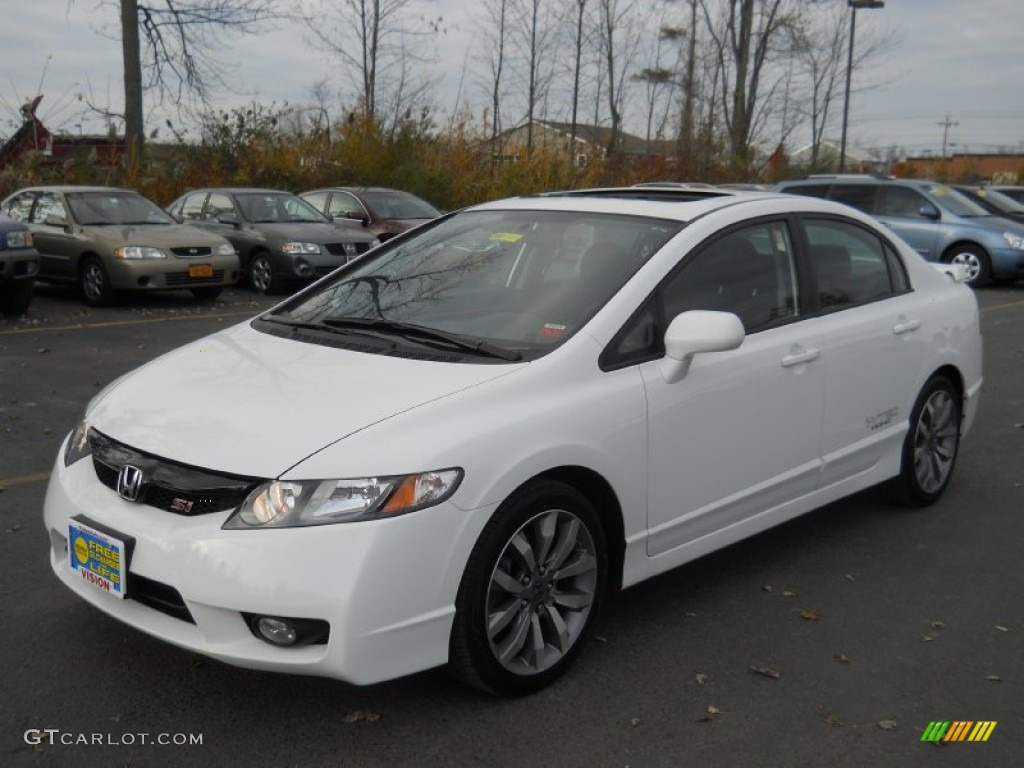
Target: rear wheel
x=15, y=297
x=94, y=283
x=931, y=446
x=979, y=270
x=531, y=591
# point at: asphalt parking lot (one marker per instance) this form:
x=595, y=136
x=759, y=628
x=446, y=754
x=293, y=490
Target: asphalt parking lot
x=833, y=640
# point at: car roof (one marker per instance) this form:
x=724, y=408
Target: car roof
x=240, y=190
x=360, y=189
x=66, y=188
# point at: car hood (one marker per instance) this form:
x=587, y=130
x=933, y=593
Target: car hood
x=313, y=232
x=156, y=235
x=247, y=403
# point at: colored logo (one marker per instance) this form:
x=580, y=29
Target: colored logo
x=958, y=730
x=82, y=549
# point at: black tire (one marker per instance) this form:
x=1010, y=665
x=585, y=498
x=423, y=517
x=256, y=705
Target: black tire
x=931, y=446
x=262, y=276
x=207, y=294
x=979, y=268
x=532, y=588
x=94, y=283
x=16, y=297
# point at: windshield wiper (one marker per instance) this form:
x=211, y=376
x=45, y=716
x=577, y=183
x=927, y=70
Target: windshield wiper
x=420, y=332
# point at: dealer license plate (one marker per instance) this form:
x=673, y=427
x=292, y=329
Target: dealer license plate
x=98, y=558
x=200, y=270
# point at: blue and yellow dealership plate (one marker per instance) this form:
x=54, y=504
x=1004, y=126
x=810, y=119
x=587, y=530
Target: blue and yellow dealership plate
x=98, y=557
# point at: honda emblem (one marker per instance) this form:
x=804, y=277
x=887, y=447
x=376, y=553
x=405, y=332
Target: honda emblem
x=129, y=483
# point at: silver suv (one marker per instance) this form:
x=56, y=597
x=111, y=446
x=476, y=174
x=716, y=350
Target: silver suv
x=937, y=221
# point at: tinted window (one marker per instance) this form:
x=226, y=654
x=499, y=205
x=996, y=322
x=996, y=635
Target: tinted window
x=219, y=206
x=192, y=206
x=749, y=272
x=342, y=203
x=860, y=196
x=808, y=190
x=317, y=199
x=851, y=264
x=904, y=202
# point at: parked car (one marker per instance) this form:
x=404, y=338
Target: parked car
x=1010, y=190
x=993, y=201
x=384, y=212
x=939, y=223
x=19, y=264
x=282, y=241
x=452, y=449
x=107, y=240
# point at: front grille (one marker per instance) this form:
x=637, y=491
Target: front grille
x=158, y=596
x=345, y=249
x=168, y=485
x=193, y=252
x=182, y=278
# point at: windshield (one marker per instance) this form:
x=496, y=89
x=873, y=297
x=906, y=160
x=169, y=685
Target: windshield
x=399, y=205
x=956, y=202
x=996, y=201
x=100, y=208
x=522, y=281
x=276, y=207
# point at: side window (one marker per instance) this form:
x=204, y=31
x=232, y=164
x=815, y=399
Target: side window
x=21, y=206
x=317, y=199
x=342, y=203
x=219, y=205
x=901, y=201
x=808, y=190
x=851, y=264
x=192, y=207
x=48, y=204
x=859, y=196
x=749, y=272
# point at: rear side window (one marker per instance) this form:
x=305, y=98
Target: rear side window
x=808, y=190
x=859, y=196
x=851, y=265
x=906, y=203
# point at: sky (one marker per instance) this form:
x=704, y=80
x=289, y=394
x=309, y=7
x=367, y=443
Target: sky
x=954, y=75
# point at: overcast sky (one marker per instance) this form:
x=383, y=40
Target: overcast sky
x=957, y=62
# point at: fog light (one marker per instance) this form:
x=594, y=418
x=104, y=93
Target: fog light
x=276, y=631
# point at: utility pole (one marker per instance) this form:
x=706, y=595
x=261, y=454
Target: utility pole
x=946, y=125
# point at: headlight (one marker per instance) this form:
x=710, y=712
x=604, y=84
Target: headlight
x=291, y=248
x=1014, y=240
x=374, y=243
x=139, y=252
x=295, y=503
x=227, y=249
x=19, y=240
x=78, y=446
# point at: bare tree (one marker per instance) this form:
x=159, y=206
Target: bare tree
x=168, y=47
x=619, y=42
x=381, y=43
x=533, y=36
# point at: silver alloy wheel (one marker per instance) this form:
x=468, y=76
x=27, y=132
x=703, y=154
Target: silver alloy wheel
x=261, y=273
x=541, y=592
x=93, y=281
x=935, y=441
x=972, y=261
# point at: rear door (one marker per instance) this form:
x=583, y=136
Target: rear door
x=913, y=217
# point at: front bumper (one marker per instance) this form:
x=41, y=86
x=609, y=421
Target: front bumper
x=18, y=264
x=171, y=273
x=1007, y=262
x=387, y=588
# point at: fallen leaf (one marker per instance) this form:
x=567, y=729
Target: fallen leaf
x=766, y=671
x=713, y=710
x=994, y=679
x=832, y=720
x=851, y=576
x=690, y=615
x=926, y=638
x=600, y=639
x=634, y=721
x=701, y=678
x=808, y=615
x=1002, y=629
x=357, y=715
x=938, y=624
x=766, y=588
x=887, y=725
x=841, y=658
x=788, y=593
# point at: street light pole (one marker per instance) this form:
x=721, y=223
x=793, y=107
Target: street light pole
x=854, y=5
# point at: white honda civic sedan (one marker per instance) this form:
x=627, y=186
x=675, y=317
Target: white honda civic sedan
x=453, y=448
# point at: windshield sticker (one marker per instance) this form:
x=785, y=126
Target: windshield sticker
x=939, y=191
x=553, y=330
x=506, y=237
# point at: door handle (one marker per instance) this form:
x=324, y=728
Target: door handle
x=800, y=357
x=906, y=326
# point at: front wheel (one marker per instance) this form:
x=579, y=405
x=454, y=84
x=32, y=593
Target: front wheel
x=262, y=275
x=979, y=270
x=930, y=448
x=532, y=588
x=16, y=297
x=94, y=283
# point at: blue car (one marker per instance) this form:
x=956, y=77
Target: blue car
x=939, y=222
x=19, y=264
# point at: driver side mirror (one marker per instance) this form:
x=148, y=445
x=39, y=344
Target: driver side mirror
x=929, y=212
x=697, y=331
x=230, y=219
